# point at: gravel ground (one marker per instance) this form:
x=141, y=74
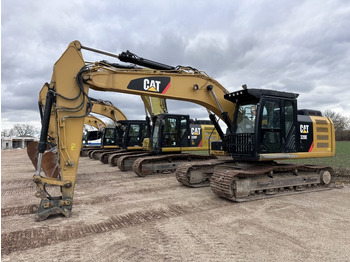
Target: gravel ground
x=120, y=217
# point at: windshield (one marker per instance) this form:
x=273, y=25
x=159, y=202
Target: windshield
x=246, y=118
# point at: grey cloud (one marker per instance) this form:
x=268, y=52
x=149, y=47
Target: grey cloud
x=297, y=46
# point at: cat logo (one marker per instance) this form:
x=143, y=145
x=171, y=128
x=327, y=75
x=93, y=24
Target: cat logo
x=304, y=129
x=195, y=131
x=159, y=84
x=151, y=85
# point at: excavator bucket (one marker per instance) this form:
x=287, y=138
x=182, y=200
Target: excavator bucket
x=49, y=160
x=49, y=164
x=32, y=151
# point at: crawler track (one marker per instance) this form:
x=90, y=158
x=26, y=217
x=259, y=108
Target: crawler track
x=84, y=152
x=258, y=181
x=164, y=163
x=103, y=157
x=97, y=153
x=197, y=174
x=122, y=161
x=113, y=158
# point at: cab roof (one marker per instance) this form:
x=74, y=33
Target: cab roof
x=253, y=94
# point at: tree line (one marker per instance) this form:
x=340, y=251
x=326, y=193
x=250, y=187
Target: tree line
x=20, y=130
x=341, y=125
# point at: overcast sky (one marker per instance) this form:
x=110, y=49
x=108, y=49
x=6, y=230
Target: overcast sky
x=296, y=46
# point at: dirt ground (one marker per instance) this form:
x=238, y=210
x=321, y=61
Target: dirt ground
x=120, y=217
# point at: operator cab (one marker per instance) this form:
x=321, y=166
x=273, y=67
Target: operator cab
x=170, y=131
x=109, y=137
x=264, y=123
x=127, y=133
x=135, y=131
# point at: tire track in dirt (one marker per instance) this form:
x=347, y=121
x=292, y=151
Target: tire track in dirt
x=179, y=241
x=17, y=210
x=41, y=236
x=26, y=209
x=125, y=253
x=18, y=191
x=80, y=184
x=16, y=182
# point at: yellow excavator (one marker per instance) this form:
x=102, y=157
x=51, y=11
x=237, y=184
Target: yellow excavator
x=263, y=126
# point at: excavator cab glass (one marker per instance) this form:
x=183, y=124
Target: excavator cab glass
x=246, y=118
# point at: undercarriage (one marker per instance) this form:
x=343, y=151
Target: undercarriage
x=250, y=181
x=144, y=166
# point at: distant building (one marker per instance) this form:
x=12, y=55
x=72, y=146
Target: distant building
x=13, y=142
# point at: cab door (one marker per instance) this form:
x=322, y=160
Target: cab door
x=185, y=140
x=277, y=125
x=270, y=137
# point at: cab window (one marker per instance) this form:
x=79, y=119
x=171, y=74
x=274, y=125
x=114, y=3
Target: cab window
x=246, y=118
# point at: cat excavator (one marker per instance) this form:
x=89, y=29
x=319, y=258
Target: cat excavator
x=263, y=127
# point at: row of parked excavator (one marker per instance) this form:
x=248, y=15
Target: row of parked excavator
x=177, y=133
x=263, y=127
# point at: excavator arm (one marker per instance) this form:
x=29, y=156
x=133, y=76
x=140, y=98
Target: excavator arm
x=97, y=106
x=107, y=109
x=67, y=105
x=94, y=122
